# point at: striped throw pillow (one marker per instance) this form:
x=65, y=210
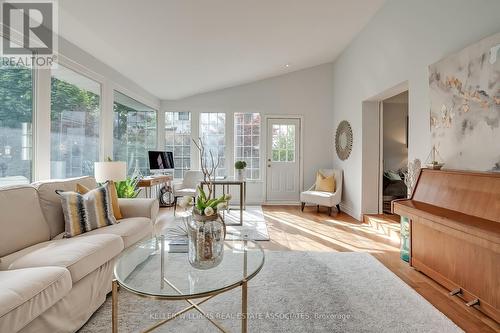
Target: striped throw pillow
x=85, y=212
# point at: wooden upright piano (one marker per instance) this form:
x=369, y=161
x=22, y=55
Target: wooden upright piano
x=455, y=234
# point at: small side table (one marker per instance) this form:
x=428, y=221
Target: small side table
x=226, y=183
x=153, y=187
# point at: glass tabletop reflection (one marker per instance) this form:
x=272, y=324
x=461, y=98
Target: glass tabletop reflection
x=138, y=269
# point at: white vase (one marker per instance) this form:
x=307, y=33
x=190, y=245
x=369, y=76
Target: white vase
x=240, y=174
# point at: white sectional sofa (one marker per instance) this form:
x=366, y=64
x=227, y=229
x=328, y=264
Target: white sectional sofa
x=53, y=284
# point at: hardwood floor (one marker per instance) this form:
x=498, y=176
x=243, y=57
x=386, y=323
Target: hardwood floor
x=293, y=230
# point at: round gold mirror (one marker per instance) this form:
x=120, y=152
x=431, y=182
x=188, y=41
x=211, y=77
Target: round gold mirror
x=343, y=140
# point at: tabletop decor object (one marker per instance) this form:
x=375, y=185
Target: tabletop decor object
x=206, y=228
x=240, y=169
x=110, y=170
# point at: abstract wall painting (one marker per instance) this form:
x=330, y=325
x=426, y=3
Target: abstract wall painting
x=465, y=107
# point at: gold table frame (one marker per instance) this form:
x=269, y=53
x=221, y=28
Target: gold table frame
x=189, y=298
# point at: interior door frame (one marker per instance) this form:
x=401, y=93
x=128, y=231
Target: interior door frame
x=372, y=148
x=265, y=119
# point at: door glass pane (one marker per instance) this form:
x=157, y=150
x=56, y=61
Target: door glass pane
x=16, y=114
x=283, y=143
x=134, y=132
x=74, y=126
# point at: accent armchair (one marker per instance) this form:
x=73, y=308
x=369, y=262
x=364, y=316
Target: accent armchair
x=320, y=198
x=190, y=182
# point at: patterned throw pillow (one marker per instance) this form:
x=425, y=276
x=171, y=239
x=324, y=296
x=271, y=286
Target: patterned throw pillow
x=86, y=212
x=114, y=197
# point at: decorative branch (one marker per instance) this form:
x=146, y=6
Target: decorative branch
x=208, y=173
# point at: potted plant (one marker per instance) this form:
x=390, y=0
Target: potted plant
x=206, y=228
x=128, y=188
x=240, y=169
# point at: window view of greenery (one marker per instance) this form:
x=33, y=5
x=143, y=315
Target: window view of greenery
x=16, y=114
x=134, y=133
x=283, y=141
x=213, y=134
x=247, y=144
x=178, y=140
x=74, y=126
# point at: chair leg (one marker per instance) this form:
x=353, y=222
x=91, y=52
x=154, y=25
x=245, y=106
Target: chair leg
x=338, y=208
x=175, y=204
x=317, y=209
x=302, y=204
x=329, y=211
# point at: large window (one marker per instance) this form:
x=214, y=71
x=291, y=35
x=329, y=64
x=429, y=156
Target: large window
x=16, y=114
x=178, y=140
x=134, y=132
x=247, y=142
x=74, y=126
x=213, y=134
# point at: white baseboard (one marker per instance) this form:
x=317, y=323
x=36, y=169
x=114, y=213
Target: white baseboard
x=350, y=211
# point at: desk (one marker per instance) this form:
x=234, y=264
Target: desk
x=155, y=183
x=225, y=185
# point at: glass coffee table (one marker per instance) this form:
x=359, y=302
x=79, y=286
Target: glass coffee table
x=150, y=269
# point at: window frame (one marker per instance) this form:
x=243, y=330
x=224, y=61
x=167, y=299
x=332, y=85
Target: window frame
x=251, y=146
x=80, y=70
x=223, y=166
x=174, y=132
x=30, y=132
x=130, y=168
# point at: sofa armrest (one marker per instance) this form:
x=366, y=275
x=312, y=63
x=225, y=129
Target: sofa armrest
x=139, y=207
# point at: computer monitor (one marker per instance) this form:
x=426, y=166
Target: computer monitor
x=161, y=160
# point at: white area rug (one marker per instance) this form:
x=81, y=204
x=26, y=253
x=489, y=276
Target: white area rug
x=296, y=292
x=254, y=224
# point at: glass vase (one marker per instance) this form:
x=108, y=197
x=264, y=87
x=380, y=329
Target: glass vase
x=205, y=241
x=405, y=239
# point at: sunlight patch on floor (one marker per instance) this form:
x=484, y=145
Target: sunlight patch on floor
x=327, y=233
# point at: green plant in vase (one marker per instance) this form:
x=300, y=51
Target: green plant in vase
x=240, y=169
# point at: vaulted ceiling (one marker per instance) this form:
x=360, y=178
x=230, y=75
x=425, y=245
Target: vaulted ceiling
x=178, y=48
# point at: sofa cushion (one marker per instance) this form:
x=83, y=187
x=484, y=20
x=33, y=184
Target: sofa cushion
x=27, y=293
x=50, y=202
x=131, y=230
x=318, y=197
x=21, y=220
x=80, y=255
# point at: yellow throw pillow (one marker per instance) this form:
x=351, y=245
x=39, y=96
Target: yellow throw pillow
x=325, y=184
x=114, y=197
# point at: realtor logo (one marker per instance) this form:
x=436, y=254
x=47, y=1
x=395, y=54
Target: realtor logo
x=29, y=33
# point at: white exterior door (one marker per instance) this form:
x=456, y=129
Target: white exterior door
x=282, y=162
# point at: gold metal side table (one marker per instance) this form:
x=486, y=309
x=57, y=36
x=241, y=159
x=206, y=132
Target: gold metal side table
x=174, y=278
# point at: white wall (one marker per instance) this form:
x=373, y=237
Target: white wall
x=394, y=136
x=306, y=93
x=402, y=39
